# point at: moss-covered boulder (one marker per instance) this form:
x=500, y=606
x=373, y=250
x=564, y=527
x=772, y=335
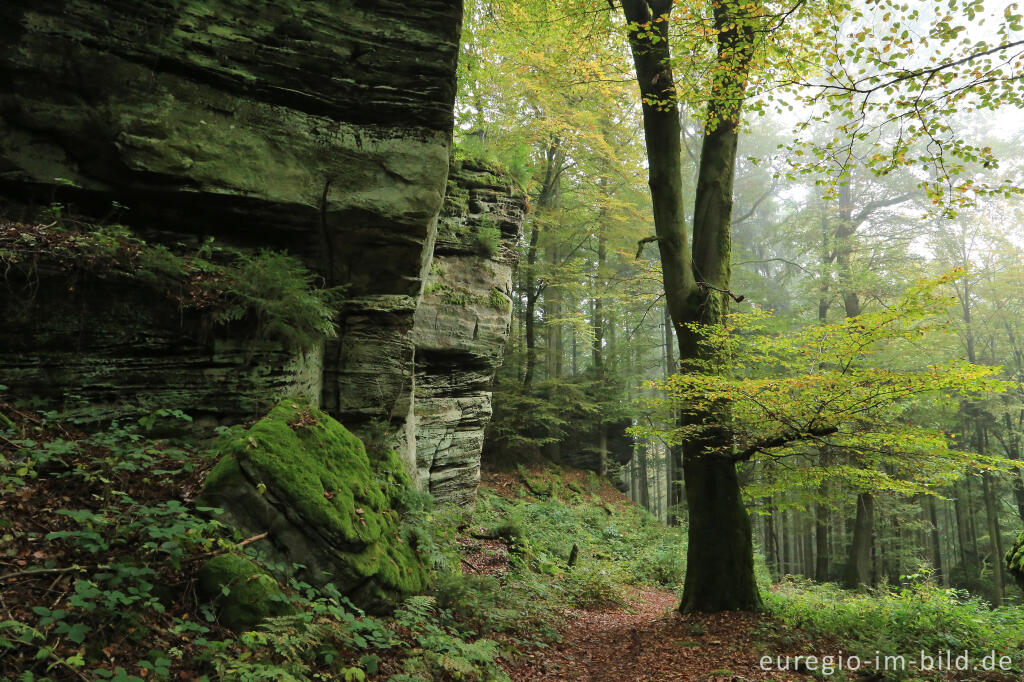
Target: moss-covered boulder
x=244, y=593
x=1015, y=560
x=329, y=508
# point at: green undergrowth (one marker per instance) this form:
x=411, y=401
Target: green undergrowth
x=101, y=556
x=269, y=294
x=617, y=545
x=907, y=621
x=110, y=570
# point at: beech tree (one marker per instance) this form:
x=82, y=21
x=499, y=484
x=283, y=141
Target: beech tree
x=696, y=267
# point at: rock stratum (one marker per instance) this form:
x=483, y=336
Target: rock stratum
x=461, y=326
x=319, y=128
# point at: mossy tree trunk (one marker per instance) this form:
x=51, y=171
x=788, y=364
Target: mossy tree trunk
x=720, y=566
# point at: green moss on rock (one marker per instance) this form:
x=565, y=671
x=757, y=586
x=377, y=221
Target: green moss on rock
x=1015, y=560
x=326, y=502
x=244, y=593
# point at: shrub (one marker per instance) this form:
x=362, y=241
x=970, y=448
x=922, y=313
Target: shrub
x=279, y=296
x=594, y=584
x=905, y=621
x=487, y=238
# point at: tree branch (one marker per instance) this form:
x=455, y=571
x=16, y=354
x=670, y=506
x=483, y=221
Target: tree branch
x=873, y=206
x=772, y=260
x=779, y=441
x=642, y=243
x=753, y=209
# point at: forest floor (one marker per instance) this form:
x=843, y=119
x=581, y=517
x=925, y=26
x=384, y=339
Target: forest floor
x=644, y=638
x=647, y=639
x=99, y=552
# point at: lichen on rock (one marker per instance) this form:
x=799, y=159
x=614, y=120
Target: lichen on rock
x=327, y=504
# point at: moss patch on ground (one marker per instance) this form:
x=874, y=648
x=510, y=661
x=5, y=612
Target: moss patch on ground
x=244, y=593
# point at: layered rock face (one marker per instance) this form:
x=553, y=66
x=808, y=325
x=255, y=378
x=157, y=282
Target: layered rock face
x=103, y=347
x=461, y=327
x=320, y=127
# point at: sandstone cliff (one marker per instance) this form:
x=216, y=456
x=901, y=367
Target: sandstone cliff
x=461, y=327
x=321, y=128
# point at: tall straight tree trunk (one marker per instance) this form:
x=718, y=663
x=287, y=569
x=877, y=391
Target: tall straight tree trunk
x=821, y=539
x=575, y=355
x=798, y=545
x=674, y=453
x=597, y=349
x=968, y=557
x=552, y=315
x=548, y=198
x=821, y=526
x=772, y=540
x=859, y=565
x=972, y=528
x=645, y=491
x=988, y=491
x=807, y=567
x=533, y=289
x=858, y=569
x=933, y=539
x=657, y=492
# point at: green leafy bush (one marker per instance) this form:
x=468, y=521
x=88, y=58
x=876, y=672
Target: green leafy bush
x=594, y=584
x=279, y=296
x=900, y=622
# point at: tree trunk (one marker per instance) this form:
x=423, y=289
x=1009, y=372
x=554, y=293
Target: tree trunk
x=645, y=491
x=991, y=516
x=532, y=293
x=808, y=564
x=972, y=529
x=720, y=565
x=720, y=556
x=674, y=453
x=933, y=538
x=658, y=492
x=968, y=558
x=821, y=539
x=771, y=541
x=858, y=569
x=552, y=315
x=548, y=197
